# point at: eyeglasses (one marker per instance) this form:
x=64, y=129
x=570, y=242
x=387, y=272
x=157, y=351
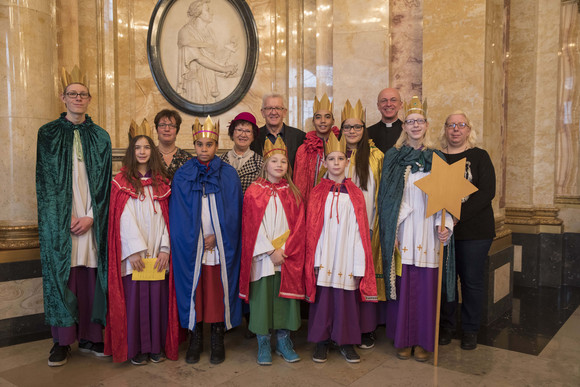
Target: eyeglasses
x=74, y=94
x=420, y=121
x=348, y=128
x=163, y=126
x=460, y=125
x=276, y=108
x=385, y=100
x=243, y=131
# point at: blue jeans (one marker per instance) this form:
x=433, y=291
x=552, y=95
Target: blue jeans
x=470, y=256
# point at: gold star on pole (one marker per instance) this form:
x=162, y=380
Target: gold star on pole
x=445, y=186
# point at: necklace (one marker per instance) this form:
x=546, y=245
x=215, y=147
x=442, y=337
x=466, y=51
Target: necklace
x=168, y=153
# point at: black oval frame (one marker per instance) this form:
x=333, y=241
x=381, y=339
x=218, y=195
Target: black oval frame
x=153, y=55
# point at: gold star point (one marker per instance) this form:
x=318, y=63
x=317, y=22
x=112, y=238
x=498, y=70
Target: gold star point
x=445, y=186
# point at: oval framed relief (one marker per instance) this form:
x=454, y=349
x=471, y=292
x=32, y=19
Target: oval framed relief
x=203, y=54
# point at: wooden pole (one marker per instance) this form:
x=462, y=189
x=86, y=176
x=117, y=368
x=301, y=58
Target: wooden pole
x=439, y=280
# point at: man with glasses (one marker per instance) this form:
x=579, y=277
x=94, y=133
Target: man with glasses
x=386, y=132
x=274, y=111
x=167, y=124
x=73, y=176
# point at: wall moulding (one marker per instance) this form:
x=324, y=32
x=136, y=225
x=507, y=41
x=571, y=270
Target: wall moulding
x=532, y=216
x=18, y=236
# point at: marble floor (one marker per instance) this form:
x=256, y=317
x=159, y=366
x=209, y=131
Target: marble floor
x=558, y=364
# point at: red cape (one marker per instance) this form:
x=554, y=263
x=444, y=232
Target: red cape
x=304, y=174
x=116, y=329
x=255, y=203
x=314, y=223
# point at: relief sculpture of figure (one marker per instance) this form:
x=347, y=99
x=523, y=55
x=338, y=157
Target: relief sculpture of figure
x=199, y=58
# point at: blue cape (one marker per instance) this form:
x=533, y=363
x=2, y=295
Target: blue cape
x=189, y=184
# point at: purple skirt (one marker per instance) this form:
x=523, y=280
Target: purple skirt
x=335, y=315
x=411, y=318
x=81, y=282
x=147, y=305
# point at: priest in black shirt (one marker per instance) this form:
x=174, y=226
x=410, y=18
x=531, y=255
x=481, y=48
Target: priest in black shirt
x=386, y=132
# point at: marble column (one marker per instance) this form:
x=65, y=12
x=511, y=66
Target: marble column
x=28, y=99
x=360, y=47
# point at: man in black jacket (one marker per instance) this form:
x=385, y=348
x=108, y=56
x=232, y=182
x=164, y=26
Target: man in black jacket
x=274, y=111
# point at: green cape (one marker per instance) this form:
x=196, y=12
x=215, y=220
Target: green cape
x=389, y=202
x=54, y=167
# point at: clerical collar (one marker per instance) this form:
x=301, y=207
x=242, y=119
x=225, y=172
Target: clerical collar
x=389, y=124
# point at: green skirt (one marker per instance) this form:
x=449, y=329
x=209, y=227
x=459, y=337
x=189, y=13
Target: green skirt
x=268, y=311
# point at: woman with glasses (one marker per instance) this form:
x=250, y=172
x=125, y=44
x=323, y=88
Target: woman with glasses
x=409, y=241
x=243, y=130
x=364, y=169
x=167, y=124
x=473, y=233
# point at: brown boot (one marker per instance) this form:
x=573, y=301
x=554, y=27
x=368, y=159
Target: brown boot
x=404, y=353
x=421, y=354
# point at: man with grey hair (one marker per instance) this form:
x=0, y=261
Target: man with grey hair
x=274, y=111
x=386, y=132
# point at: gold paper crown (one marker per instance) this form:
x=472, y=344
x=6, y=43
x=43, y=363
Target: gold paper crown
x=415, y=106
x=208, y=130
x=323, y=104
x=75, y=76
x=349, y=112
x=333, y=145
x=272, y=149
x=137, y=130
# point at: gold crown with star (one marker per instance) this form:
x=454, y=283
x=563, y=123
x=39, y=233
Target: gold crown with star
x=208, y=130
x=75, y=76
x=353, y=112
x=273, y=149
x=333, y=145
x=415, y=106
x=138, y=130
x=323, y=104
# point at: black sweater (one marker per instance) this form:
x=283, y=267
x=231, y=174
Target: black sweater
x=477, y=221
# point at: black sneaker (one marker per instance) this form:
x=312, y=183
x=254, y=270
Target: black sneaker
x=320, y=352
x=349, y=353
x=157, y=357
x=469, y=340
x=367, y=340
x=140, y=359
x=445, y=336
x=58, y=355
x=97, y=349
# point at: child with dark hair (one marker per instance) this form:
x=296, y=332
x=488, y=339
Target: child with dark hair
x=142, y=320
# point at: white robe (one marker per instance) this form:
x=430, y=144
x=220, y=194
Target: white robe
x=84, y=251
x=142, y=230
x=273, y=225
x=417, y=235
x=339, y=255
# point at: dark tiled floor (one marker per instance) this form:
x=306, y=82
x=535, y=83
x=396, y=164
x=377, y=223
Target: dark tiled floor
x=536, y=316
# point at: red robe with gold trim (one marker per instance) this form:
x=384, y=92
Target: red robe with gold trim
x=314, y=222
x=116, y=329
x=255, y=202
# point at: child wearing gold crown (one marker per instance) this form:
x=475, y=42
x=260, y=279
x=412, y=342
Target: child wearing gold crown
x=339, y=270
x=273, y=254
x=364, y=169
x=411, y=276
x=142, y=321
x=205, y=217
x=310, y=155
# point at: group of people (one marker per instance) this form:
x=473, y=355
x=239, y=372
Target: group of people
x=331, y=217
